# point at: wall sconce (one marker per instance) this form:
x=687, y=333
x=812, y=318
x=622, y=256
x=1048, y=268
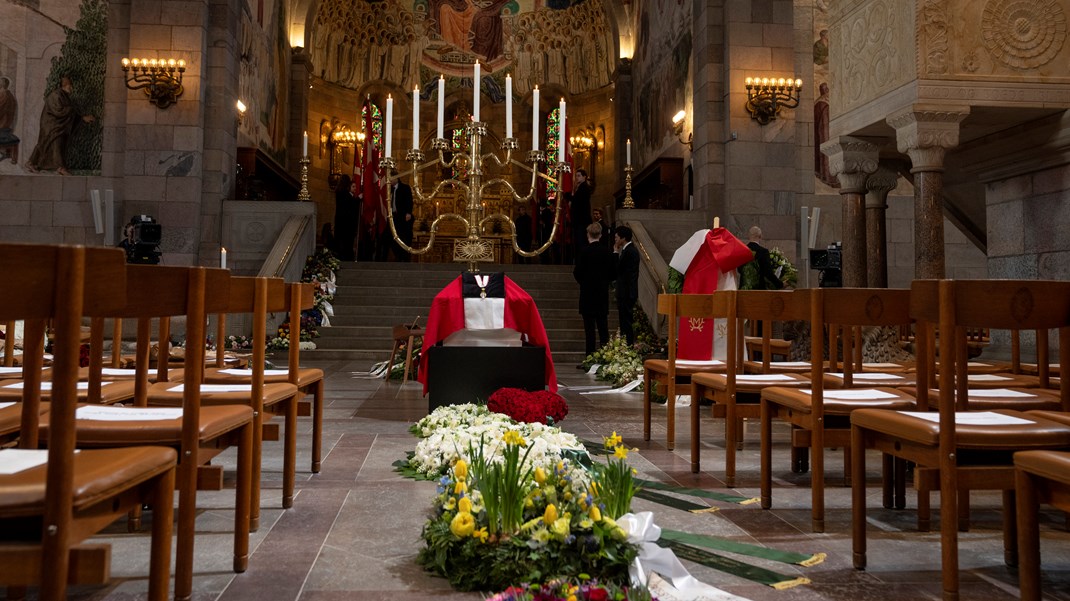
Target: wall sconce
x=583, y=141
x=161, y=79
x=241, y=111
x=339, y=139
x=678, y=129
x=765, y=97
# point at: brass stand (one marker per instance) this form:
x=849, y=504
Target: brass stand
x=303, y=194
x=628, y=203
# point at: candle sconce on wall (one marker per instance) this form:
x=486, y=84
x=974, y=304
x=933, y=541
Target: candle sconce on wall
x=338, y=138
x=765, y=97
x=160, y=78
x=678, y=129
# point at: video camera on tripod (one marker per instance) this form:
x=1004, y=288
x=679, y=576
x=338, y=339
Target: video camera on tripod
x=142, y=241
x=828, y=264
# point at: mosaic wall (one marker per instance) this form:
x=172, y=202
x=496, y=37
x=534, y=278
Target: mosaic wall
x=411, y=42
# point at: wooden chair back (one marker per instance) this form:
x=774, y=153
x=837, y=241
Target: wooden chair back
x=300, y=297
x=719, y=305
x=767, y=307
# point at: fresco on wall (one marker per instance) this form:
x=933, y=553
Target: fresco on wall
x=663, y=64
x=565, y=42
x=825, y=179
x=264, y=78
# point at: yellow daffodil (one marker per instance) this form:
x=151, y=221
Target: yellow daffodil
x=567, y=496
x=540, y=476
x=512, y=437
x=450, y=504
x=621, y=452
x=560, y=527
x=481, y=534
x=459, y=488
x=463, y=524
x=595, y=513
x=550, y=516
x=464, y=505
x=460, y=470
x=613, y=440
x=571, y=598
x=586, y=524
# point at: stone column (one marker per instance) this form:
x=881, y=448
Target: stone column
x=852, y=160
x=924, y=133
x=624, y=108
x=878, y=186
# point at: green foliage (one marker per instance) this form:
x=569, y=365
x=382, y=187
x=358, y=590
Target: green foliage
x=615, y=480
x=83, y=58
x=676, y=282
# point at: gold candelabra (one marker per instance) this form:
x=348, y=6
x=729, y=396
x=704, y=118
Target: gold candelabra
x=160, y=78
x=766, y=96
x=473, y=249
x=628, y=203
x=303, y=194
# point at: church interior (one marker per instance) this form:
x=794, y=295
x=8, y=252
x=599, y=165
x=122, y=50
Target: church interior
x=875, y=143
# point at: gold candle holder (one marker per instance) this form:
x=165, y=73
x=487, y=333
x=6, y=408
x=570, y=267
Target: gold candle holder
x=303, y=195
x=628, y=203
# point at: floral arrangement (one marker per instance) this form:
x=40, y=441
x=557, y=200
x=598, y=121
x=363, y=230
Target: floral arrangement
x=783, y=267
x=540, y=406
x=452, y=432
x=581, y=589
x=619, y=363
x=497, y=522
x=319, y=269
x=238, y=343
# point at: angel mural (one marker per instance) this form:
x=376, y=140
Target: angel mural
x=471, y=25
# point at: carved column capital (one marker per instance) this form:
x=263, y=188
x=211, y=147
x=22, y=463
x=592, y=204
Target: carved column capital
x=851, y=160
x=925, y=134
x=879, y=184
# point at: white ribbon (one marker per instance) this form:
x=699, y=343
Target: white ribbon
x=641, y=530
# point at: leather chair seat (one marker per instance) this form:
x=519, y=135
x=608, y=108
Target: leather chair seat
x=750, y=384
x=1018, y=399
x=1053, y=465
x=799, y=401
x=305, y=376
x=1040, y=433
x=661, y=366
x=215, y=421
x=98, y=475
x=111, y=392
x=778, y=367
x=870, y=379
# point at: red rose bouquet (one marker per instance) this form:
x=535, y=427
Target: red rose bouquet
x=541, y=406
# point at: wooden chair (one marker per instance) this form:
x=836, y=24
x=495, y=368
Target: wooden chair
x=1040, y=477
x=301, y=296
x=968, y=450
x=672, y=373
x=200, y=433
x=48, y=510
x=736, y=395
x=820, y=418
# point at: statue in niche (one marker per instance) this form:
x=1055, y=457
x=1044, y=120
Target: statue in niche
x=9, y=107
x=59, y=116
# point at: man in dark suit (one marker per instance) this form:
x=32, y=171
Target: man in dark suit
x=594, y=271
x=767, y=276
x=627, y=279
x=579, y=211
x=402, y=210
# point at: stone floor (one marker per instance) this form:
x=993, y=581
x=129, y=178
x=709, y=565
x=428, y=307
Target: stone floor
x=353, y=531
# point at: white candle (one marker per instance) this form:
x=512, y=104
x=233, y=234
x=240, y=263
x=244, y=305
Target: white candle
x=222, y=257
x=508, y=106
x=535, y=119
x=475, y=94
x=629, y=147
x=304, y=145
x=416, y=118
x=561, y=132
x=389, y=125
x=441, y=105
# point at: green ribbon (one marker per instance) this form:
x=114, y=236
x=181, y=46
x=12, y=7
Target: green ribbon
x=697, y=492
x=720, y=544
x=733, y=566
x=682, y=504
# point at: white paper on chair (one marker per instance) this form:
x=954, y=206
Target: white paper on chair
x=854, y=395
x=249, y=372
x=881, y=365
x=48, y=385
x=217, y=388
x=7, y=371
x=783, y=364
x=868, y=376
x=5, y=405
x=986, y=378
x=116, y=371
x=1000, y=393
x=105, y=413
x=972, y=418
x=764, y=378
x=696, y=363
x=13, y=461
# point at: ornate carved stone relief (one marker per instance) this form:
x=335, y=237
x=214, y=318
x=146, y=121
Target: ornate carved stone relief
x=872, y=49
x=934, y=28
x=925, y=134
x=851, y=161
x=1023, y=34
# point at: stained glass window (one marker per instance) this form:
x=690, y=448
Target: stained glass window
x=553, y=129
x=377, y=123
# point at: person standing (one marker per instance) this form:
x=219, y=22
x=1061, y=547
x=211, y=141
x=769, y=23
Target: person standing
x=767, y=276
x=596, y=216
x=522, y=221
x=346, y=215
x=594, y=271
x=58, y=118
x=627, y=269
x=403, y=219
x=579, y=210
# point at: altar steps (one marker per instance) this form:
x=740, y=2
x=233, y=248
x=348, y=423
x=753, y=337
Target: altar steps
x=372, y=297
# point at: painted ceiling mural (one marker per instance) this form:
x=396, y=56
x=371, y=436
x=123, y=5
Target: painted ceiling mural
x=410, y=42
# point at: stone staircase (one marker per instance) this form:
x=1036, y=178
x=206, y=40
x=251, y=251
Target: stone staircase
x=373, y=297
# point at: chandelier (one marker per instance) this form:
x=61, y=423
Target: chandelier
x=469, y=167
